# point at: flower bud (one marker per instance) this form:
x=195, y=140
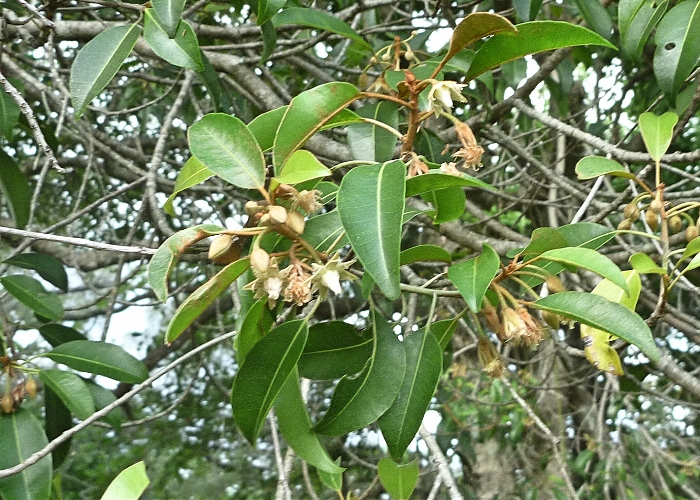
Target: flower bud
x=631, y=212
x=259, y=260
x=286, y=192
x=652, y=219
x=296, y=222
x=624, y=225
x=31, y=387
x=554, y=284
x=656, y=205
x=223, y=249
x=252, y=207
x=278, y=214
x=7, y=403
x=691, y=232
x=675, y=224
x=492, y=320
x=552, y=319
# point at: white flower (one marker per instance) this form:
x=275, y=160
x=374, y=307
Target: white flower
x=331, y=278
x=273, y=287
x=443, y=94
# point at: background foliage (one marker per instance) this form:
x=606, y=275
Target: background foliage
x=132, y=133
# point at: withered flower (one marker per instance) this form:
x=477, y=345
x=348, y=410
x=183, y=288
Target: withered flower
x=470, y=151
x=520, y=327
x=489, y=358
x=298, y=289
x=450, y=169
x=308, y=201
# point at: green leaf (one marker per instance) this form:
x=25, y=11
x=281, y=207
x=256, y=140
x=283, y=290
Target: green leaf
x=225, y=146
x=264, y=127
x=473, y=277
x=267, y=9
x=586, y=234
x=370, y=204
x=443, y=331
x=269, y=37
x=97, y=63
x=527, y=9
x=657, y=131
x=9, y=113
x=448, y=202
x=31, y=293
x=21, y=435
x=369, y=142
x=334, y=349
x=320, y=20
x=295, y=426
x=600, y=313
x=433, y=181
x=531, y=38
x=614, y=293
x=695, y=263
x=586, y=258
x=677, y=46
x=473, y=27
x=302, y=166
x=256, y=324
x=180, y=50
x=644, y=264
x=193, y=172
x=333, y=481
x=71, y=389
x=263, y=373
x=323, y=230
x=58, y=419
x=637, y=19
x=168, y=14
x=100, y=358
x=15, y=189
x=425, y=253
x=401, y=421
x=129, y=484
x=56, y=334
x=164, y=259
x=361, y=399
x=596, y=16
x=47, y=266
x=590, y=167
x=399, y=480
x=102, y=398
x=692, y=248
x=307, y=114
x=203, y=297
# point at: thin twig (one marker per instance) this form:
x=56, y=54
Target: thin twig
x=441, y=463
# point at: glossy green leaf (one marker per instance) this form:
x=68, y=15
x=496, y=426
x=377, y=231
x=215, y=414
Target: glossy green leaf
x=677, y=46
x=267, y=9
x=585, y=258
x=15, y=189
x=56, y=334
x=600, y=313
x=334, y=349
x=320, y=20
x=181, y=50
x=693, y=264
x=168, y=14
x=333, y=481
x=129, y=484
x=195, y=304
x=102, y=398
x=167, y=254
x=31, y=293
x=71, y=389
x=614, y=293
x=370, y=142
x=370, y=204
x=97, y=63
x=443, y=331
x=448, y=202
x=361, y=399
x=295, y=426
x=47, y=266
x=586, y=234
x=531, y=38
x=473, y=277
x=657, y=131
x=21, y=435
x=263, y=373
x=425, y=253
x=590, y=167
x=527, y=10
x=225, y=146
x=193, y=172
x=58, y=419
x=692, y=248
x=256, y=324
x=473, y=27
x=9, y=113
x=596, y=17
x=637, y=19
x=644, y=264
x=211, y=79
x=269, y=38
x=306, y=115
x=433, y=181
x=401, y=421
x=100, y=358
x=302, y=166
x=399, y=480
x=325, y=232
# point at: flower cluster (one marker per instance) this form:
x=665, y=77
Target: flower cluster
x=513, y=325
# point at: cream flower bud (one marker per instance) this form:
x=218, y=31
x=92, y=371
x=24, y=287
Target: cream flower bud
x=278, y=214
x=295, y=221
x=222, y=249
x=260, y=260
x=331, y=278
